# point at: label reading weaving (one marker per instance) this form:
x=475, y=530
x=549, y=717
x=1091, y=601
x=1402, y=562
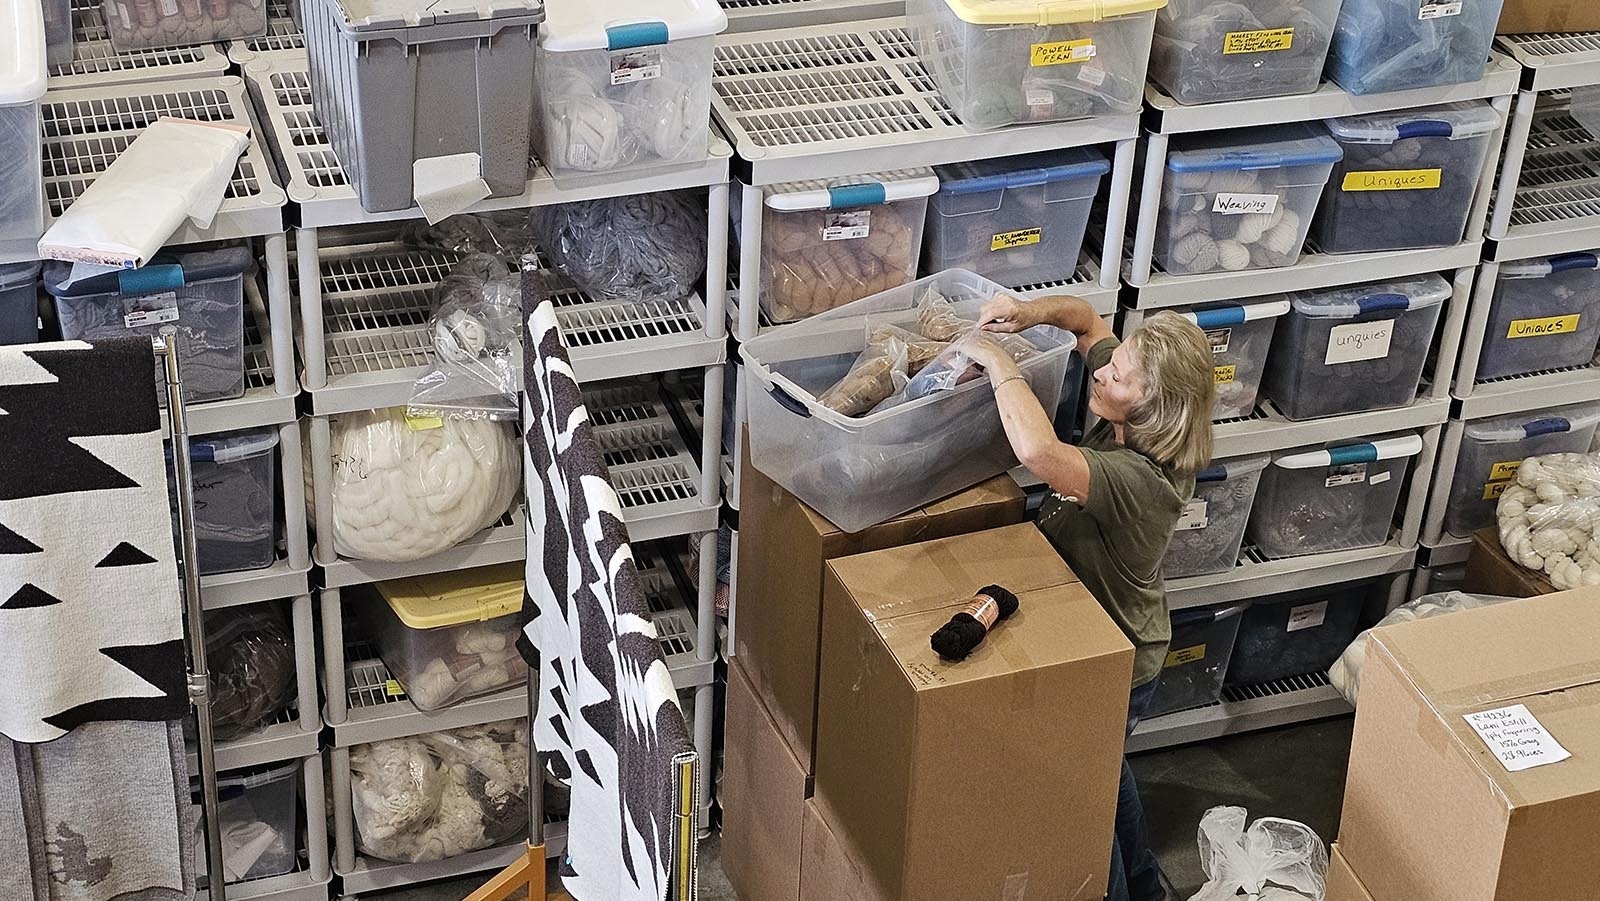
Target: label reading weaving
x=1359, y=341
x=1225, y=375
x=1308, y=616
x=1516, y=738
x=1020, y=238
x=1438, y=9
x=1240, y=204
x=1493, y=490
x=1195, y=516
x=151, y=309
x=1348, y=474
x=1393, y=180
x=1186, y=655
x=630, y=66
x=847, y=226
x=1505, y=469
x=1546, y=327
x=1059, y=53
x=1267, y=40
x=1219, y=339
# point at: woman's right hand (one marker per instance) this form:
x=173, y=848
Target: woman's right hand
x=1008, y=315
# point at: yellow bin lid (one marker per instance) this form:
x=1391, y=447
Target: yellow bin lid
x=1047, y=12
x=452, y=598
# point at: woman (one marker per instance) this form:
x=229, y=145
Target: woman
x=1116, y=498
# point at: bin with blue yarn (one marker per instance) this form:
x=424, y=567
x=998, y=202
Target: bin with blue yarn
x=1211, y=529
x=1349, y=350
x=1296, y=634
x=1240, y=336
x=1396, y=45
x=19, y=303
x=201, y=293
x=235, y=488
x=1018, y=220
x=1493, y=449
x=1197, y=658
x=1545, y=315
x=1335, y=499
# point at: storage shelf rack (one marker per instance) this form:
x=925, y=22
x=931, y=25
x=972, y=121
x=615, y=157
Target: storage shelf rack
x=764, y=15
x=1244, y=709
x=1258, y=575
x=95, y=62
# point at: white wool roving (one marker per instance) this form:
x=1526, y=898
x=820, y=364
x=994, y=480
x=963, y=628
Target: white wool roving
x=1550, y=516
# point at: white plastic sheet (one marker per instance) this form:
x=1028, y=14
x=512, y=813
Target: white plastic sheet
x=1272, y=860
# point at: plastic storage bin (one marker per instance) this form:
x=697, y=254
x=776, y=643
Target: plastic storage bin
x=1209, y=51
x=419, y=100
x=1240, y=336
x=1395, y=45
x=1241, y=200
x=1348, y=350
x=828, y=243
x=19, y=303
x=1300, y=634
x=450, y=636
x=1197, y=659
x=260, y=803
x=1493, y=449
x=625, y=84
x=152, y=24
x=1407, y=179
x=1019, y=220
x=235, y=484
x=1336, y=499
x=1545, y=315
x=1586, y=107
x=997, y=65
x=200, y=292
x=1211, y=530
x=860, y=471
x=23, y=78
x=58, y=32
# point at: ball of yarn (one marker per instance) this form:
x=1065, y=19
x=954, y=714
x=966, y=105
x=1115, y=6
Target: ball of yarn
x=644, y=246
x=584, y=133
x=1232, y=255
x=1232, y=182
x=1190, y=181
x=1196, y=252
x=673, y=132
x=1284, y=238
x=1253, y=225
x=958, y=638
x=1184, y=225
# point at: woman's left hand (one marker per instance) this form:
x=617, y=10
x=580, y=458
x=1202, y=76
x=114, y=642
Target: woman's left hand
x=988, y=354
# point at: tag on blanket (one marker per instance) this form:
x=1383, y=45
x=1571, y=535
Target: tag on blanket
x=1518, y=740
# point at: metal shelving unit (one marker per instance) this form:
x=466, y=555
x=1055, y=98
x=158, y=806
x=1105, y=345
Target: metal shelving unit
x=1244, y=709
x=762, y=15
x=95, y=62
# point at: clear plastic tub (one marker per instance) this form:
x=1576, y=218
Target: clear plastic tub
x=1586, y=107
x=1545, y=315
x=1241, y=200
x=23, y=79
x=258, y=815
x=1336, y=499
x=200, y=292
x=235, y=486
x=997, y=65
x=825, y=244
x=450, y=636
x=624, y=84
x=1019, y=220
x=860, y=471
x=58, y=38
x=1197, y=658
x=1211, y=530
x=1240, y=337
x=1395, y=45
x=1207, y=51
x=1493, y=449
x=19, y=303
x=1407, y=179
x=154, y=24
x=1348, y=350
x=1300, y=634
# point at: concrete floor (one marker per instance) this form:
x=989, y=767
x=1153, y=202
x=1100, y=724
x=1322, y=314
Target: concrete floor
x=1296, y=773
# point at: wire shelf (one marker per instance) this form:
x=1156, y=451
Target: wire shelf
x=283, y=36
x=95, y=62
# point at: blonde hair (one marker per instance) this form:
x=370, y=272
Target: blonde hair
x=1171, y=422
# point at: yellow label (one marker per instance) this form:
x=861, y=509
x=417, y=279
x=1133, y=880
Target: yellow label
x=393, y=689
x=1225, y=374
x=1186, y=655
x=1504, y=470
x=1060, y=53
x=1493, y=490
x=1547, y=327
x=1268, y=40
x=424, y=423
x=1019, y=238
x=1394, y=180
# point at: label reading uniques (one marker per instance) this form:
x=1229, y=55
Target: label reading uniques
x=1195, y=516
x=847, y=226
x=1219, y=339
x=1240, y=204
x=1359, y=341
x=1269, y=40
x=1308, y=616
x=1059, y=53
x=1505, y=469
x=630, y=66
x=1093, y=76
x=1182, y=656
x=1393, y=180
x=1493, y=490
x=1546, y=327
x=1516, y=738
x=1348, y=474
x=1022, y=237
x=1438, y=9
x=1225, y=375
x=151, y=309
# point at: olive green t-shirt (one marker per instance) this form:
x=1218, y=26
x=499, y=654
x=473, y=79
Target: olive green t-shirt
x=1115, y=541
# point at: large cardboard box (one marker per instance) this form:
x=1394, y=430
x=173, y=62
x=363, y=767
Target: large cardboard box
x=782, y=552
x=829, y=869
x=1536, y=16
x=980, y=779
x=763, y=797
x=1343, y=884
x=1490, y=570
x=1431, y=813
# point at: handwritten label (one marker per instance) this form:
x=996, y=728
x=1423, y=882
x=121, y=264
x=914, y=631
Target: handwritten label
x=1348, y=474
x=1547, y=327
x=1219, y=339
x=847, y=226
x=1268, y=40
x=1394, y=180
x=1359, y=341
x=1183, y=656
x=1240, y=204
x=1225, y=375
x=630, y=66
x=923, y=674
x=1020, y=238
x=424, y=423
x=150, y=309
x=1060, y=53
x=1493, y=490
x=1438, y=9
x=1194, y=517
x=1308, y=616
x=1516, y=738
x=1378, y=478
x=1505, y=469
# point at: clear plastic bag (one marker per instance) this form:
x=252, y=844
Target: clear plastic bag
x=640, y=247
x=938, y=321
x=1345, y=673
x=1272, y=860
x=1550, y=518
x=477, y=342
x=252, y=668
x=506, y=235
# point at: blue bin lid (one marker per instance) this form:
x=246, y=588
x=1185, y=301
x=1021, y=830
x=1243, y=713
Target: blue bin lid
x=229, y=447
x=1268, y=148
x=1023, y=171
x=157, y=275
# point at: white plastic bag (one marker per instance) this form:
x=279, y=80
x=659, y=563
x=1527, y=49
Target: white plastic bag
x=1550, y=518
x=477, y=343
x=1273, y=860
x=1345, y=674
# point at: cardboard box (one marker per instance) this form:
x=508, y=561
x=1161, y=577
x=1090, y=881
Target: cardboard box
x=1343, y=884
x=763, y=797
x=1537, y=16
x=1491, y=571
x=1430, y=811
x=829, y=869
x=781, y=558
x=980, y=779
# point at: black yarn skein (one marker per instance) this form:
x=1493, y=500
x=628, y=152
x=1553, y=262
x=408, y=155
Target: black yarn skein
x=965, y=631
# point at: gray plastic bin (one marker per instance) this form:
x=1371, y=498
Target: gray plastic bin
x=1545, y=315
x=1493, y=449
x=235, y=484
x=1298, y=634
x=1211, y=530
x=1210, y=52
x=19, y=303
x=1197, y=658
x=396, y=82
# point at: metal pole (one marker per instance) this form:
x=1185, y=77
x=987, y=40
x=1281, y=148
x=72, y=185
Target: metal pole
x=535, y=769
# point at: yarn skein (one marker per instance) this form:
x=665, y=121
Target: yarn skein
x=967, y=629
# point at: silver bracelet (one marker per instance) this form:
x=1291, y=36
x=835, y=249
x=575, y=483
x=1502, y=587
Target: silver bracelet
x=1010, y=378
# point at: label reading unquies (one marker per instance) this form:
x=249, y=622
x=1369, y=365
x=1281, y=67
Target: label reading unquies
x=847, y=226
x=1194, y=516
x=1225, y=375
x=1022, y=237
x=1393, y=180
x=1241, y=204
x=1348, y=474
x=151, y=309
x=1516, y=738
x=1438, y=9
x=1546, y=327
x=1269, y=40
x=629, y=66
x=1359, y=341
x=1193, y=654
x=1060, y=53
x=1308, y=616
x=1219, y=338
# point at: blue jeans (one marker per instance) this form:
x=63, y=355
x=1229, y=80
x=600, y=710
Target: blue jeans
x=1135, y=874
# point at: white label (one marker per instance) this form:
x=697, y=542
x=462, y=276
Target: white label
x=1219, y=339
x=1240, y=204
x=169, y=7
x=629, y=66
x=1040, y=97
x=1359, y=341
x=127, y=20
x=847, y=226
x=1348, y=474
x=1439, y=9
x=1194, y=517
x=1309, y=616
x=1380, y=478
x=151, y=309
x=1516, y=738
x=1092, y=75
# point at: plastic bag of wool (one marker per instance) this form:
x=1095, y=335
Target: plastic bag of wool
x=1550, y=516
x=1345, y=674
x=1273, y=860
x=477, y=343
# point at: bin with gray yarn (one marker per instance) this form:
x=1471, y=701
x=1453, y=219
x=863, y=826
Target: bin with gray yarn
x=1545, y=315
x=1336, y=499
x=1211, y=51
x=1211, y=529
x=19, y=303
x=1240, y=337
x=1197, y=658
x=235, y=493
x=1296, y=634
x=1492, y=450
x=1396, y=45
